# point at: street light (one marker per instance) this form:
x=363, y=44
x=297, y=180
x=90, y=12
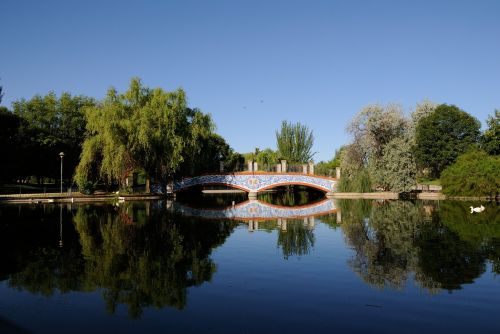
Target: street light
x=62, y=156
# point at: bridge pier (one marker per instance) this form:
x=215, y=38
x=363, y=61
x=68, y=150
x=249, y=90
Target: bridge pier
x=282, y=224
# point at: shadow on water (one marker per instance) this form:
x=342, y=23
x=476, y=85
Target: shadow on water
x=196, y=198
x=282, y=196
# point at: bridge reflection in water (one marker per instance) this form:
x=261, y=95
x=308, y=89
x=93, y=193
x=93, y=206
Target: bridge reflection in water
x=255, y=211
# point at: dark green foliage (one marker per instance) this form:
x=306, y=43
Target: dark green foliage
x=358, y=182
x=146, y=130
x=267, y=159
x=213, y=150
x=442, y=136
x=152, y=131
x=328, y=168
x=87, y=188
x=490, y=140
x=49, y=125
x=10, y=145
x=473, y=174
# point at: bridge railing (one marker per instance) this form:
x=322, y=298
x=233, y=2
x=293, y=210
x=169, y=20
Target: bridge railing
x=269, y=168
x=296, y=169
x=239, y=168
x=282, y=167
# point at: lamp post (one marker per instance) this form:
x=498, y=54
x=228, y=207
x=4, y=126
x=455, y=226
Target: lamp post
x=62, y=156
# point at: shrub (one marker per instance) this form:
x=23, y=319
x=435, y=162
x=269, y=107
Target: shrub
x=473, y=174
x=88, y=188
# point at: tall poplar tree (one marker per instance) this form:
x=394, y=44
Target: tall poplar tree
x=295, y=142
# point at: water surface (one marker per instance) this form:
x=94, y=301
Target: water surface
x=357, y=266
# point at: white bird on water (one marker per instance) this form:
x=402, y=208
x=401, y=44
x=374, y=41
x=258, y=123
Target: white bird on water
x=478, y=209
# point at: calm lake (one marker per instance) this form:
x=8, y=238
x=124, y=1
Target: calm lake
x=289, y=262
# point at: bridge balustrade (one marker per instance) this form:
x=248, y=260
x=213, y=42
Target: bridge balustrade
x=296, y=169
x=282, y=167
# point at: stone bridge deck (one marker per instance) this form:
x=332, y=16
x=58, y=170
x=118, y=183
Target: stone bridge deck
x=254, y=182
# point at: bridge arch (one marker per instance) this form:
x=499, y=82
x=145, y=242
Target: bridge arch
x=257, y=182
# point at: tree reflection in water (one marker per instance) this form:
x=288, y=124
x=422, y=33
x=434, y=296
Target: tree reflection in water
x=291, y=196
x=141, y=255
x=137, y=256
x=295, y=237
x=440, y=245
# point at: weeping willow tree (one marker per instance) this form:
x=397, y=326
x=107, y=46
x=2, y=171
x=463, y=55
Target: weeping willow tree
x=295, y=142
x=142, y=129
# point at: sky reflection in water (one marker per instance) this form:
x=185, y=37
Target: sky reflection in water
x=381, y=266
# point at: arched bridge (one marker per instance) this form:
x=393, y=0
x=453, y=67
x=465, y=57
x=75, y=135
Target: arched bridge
x=254, y=182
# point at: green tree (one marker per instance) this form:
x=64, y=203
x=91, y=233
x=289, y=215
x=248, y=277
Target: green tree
x=267, y=157
x=167, y=132
x=355, y=176
x=328, y=168
x=363, y=162
x=107, y=151
x=473, y=174
x=49, y=125
x=213, y=151
x=442, y=136
x=295, y=142
x=490, y=140
x=397, y=168
x=375, y=126
x=10, y=147
x=144, y=129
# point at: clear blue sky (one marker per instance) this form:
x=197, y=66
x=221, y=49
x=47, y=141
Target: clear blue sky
x=254, y=63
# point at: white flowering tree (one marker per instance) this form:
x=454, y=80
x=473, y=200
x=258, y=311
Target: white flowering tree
x=381, y=155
